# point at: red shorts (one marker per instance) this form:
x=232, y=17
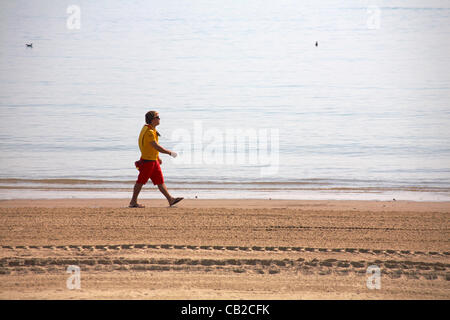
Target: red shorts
x=150, y=170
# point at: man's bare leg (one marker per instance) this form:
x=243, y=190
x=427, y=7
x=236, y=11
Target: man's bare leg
x=136, y=191
x=165, y=192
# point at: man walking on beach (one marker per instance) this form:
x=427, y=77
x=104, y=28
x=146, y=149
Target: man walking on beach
x=149, y=164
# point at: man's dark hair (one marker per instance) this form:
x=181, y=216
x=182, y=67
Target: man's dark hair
x=149, y=116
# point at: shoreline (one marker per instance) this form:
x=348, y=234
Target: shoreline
x=307, y=189
x=151, y=193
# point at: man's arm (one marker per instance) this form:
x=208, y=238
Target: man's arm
x=159, y=148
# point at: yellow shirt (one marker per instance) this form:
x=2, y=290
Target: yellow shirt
x=147, y=135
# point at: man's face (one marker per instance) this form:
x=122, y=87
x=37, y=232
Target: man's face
x=156, y=120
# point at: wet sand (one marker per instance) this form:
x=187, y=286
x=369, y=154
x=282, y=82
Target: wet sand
x=224, y=249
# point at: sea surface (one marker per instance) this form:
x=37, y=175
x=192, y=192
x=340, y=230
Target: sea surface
x=254, y=108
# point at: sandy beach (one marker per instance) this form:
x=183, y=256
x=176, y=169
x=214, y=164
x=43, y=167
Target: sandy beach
x=224, y=249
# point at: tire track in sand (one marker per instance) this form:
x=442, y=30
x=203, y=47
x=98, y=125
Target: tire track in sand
x=231, y=248
x=220, y=259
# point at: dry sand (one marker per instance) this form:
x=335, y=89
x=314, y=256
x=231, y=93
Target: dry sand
x=224, y=249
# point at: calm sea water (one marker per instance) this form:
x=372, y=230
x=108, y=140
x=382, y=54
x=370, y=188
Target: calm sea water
x=363, y=115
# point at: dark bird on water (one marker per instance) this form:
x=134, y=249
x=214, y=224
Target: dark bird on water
x=317, y=44
x=29, y=45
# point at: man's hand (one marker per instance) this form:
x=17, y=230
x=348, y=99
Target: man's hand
x=159, y=160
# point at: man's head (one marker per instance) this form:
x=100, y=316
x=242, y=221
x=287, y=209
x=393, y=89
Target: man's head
x=152, y=118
